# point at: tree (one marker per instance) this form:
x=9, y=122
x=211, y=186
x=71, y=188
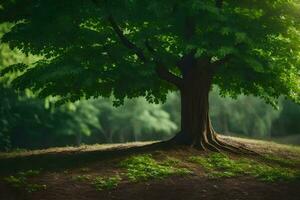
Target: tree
x=288, y=121
x=245, y=115
x=136, y=120
x=131, y=48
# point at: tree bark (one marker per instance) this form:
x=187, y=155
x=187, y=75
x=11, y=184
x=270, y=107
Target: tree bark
x=196, y=128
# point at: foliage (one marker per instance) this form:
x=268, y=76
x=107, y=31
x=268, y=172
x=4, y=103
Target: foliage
x=9, y=57
x=67, y=50
x=260, y=38
x=101, y=183
x=245, y=115
x=219, y=165
x=97, y=121
x=136, y=120
x=20, y=181
x=144, y=167
x=26, y=123
x=287, y=122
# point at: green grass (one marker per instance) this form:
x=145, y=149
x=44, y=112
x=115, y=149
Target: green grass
x=21, y=181
x=144, y=167
x=138, y=168
x=282, y=161
x=170, y=161
x=219, y=165
x=81, y=178
x=101, y=183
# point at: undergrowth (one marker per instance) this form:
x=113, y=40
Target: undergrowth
x=219, y=165
x=21, y=181
x=101, y=183
x=144, y=167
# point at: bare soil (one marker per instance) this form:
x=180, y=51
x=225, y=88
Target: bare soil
x=174, y=188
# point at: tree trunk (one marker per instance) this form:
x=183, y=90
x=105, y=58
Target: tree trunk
x=196, y=128
x=194, y=86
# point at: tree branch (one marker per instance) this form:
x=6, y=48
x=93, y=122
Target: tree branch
x=125, y=41
x=168, y=76
x=162, y=71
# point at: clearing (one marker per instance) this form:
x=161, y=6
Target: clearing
x=138, y=171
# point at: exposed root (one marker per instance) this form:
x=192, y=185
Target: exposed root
x=210, y=146
x=211, y=143
x=238, y=149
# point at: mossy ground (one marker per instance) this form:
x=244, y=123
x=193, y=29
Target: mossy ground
x=219, y=165
x=145, y=167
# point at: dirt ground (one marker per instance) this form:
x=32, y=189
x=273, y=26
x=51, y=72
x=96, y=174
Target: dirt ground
x=57, y=175
x=174, y=188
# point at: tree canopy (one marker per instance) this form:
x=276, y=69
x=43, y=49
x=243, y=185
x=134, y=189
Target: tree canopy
x=94, y=48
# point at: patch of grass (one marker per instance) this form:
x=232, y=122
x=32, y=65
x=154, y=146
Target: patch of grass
x=81, y=178
x=282, y=161
x=225, y=166
x=268, y=173
x=35, y=187
x=144, y=167
x=170, y=161
x=219, y=165
x=20, y=181
x=101, y=183
x=15, y=181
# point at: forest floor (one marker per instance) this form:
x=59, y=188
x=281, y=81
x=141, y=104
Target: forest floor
x=137, y=171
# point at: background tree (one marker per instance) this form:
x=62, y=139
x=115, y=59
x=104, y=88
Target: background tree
x=287, y=122
x=246, y=115
x=136, y=120
x=147, y=48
